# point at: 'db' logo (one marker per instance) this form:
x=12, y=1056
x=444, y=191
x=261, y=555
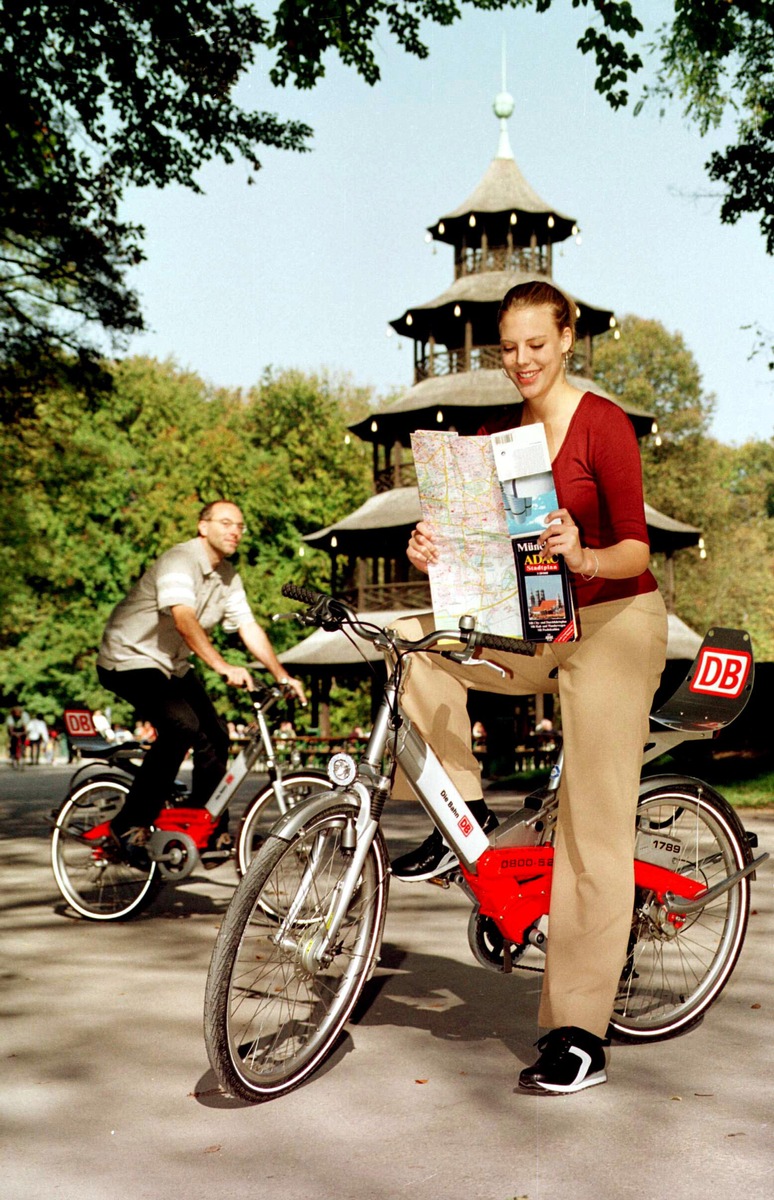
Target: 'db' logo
x=721, y=672
x=465, y=826
x=78, y=722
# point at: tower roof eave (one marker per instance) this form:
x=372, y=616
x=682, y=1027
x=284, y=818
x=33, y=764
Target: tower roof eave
x=437, y=317
x=502, y=191
x=397, y=509
x=390, y=515
x=667, y=534
x=465, y=400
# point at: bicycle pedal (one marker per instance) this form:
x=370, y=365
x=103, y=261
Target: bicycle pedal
x=442, y=881
x=215, y=858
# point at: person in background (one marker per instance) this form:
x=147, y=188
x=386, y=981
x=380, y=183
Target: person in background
x=102, y=725
x=16, y=727
x=144, y=659
x=37, y=737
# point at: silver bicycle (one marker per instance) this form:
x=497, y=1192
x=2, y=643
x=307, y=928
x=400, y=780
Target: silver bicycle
x=301, y=936
x=102, y=885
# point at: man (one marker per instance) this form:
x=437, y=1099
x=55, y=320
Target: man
x=144, y=659
x=16, y=725
x=37, y=737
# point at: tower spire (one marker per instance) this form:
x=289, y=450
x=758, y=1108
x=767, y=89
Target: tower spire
x=503, y=107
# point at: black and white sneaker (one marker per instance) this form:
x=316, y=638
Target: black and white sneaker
x=570, y=1059
x=430, y=859
x=434, y=857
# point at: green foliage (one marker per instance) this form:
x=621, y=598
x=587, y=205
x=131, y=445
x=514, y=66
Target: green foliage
x=97, y=96
x=715, y=57
x=655, y=371
x=726, y=491
x=718, y=57
x=350, y=708
x=95, y=492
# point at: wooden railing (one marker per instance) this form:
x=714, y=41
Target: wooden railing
x=371, y=597
x=454, y=362
x=528, y=260
x=482, y=358
x=306, y=750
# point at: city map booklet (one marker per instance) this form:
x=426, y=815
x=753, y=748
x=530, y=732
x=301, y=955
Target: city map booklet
x=487, y=499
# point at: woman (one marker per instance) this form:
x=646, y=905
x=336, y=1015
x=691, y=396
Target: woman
x=614, y=668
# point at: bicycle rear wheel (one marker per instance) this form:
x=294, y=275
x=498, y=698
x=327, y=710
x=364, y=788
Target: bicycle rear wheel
x=95, y=883
x=273, y=1012
x=263, y=811
x=678, y=966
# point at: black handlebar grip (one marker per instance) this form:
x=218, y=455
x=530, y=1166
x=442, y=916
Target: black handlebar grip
x=493, y=641
x=304, y=595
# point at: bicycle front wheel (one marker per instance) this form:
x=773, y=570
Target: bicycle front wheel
x=264, y=811
x=273, y=1009
x=679, y=964
x=95, y=883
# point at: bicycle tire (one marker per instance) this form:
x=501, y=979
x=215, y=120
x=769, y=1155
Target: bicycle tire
x=263, y=812
x=92, y=885
x=676, y=970
x=270, y=1020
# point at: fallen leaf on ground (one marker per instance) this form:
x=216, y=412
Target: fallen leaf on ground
x=212, y=1150
x=420, y=1081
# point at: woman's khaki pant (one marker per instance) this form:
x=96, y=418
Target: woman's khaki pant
x=606, y=682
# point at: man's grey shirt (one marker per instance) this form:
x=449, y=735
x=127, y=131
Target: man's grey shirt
x=141, y=632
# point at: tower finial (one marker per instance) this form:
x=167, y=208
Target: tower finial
x=503, y=107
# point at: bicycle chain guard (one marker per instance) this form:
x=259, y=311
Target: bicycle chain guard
x=175, y=852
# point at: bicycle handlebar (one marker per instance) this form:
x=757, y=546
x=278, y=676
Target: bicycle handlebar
x=304, y=595
x=331, y=614
x=494, y=641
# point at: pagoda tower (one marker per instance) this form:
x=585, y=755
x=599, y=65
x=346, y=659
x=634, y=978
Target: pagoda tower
x=502, y=235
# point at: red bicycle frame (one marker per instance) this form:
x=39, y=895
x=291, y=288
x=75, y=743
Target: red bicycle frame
x=513, y=887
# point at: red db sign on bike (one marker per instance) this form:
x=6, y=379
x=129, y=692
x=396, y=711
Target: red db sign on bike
x=721, y=672
x=78, y=722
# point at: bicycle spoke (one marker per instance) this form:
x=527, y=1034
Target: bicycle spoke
x=678, y=965
x=281, y=992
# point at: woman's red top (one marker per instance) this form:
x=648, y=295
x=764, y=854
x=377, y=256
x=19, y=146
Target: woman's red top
x=598, y=478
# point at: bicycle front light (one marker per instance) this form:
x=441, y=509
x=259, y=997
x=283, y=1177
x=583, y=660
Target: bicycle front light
x=342, y=770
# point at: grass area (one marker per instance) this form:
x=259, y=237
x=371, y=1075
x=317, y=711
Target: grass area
x=751, y=793
x=744, y=783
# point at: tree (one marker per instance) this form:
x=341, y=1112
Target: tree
x=656, y=372
x=95, y=491
x=98, y=95
x=726, y=491
x=715, y=56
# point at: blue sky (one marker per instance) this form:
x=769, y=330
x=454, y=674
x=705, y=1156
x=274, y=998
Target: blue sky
x=305, y=268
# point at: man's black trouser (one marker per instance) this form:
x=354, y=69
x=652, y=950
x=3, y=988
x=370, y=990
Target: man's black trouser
x=183, y=716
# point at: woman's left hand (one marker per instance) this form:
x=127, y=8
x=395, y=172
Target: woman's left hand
x=562, y=536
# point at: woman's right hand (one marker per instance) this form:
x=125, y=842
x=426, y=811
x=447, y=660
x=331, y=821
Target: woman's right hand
x=422, y=549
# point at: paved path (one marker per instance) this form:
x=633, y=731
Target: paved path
x=106, y=1089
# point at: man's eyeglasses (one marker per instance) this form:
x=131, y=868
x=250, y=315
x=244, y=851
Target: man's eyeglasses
x=224, y=521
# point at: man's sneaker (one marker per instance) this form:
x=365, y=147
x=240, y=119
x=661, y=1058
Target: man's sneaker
x=434, y=857
x=129, y=846
x=570, y=1059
